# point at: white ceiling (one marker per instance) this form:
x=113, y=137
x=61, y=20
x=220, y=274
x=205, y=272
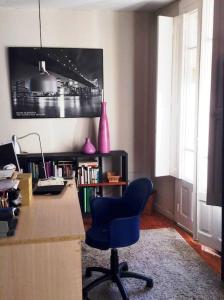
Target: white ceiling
x=130, y=5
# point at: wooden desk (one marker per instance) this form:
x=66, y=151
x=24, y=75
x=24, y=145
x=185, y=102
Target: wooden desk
x=43, y=260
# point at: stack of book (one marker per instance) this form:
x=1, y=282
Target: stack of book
x=88, y=172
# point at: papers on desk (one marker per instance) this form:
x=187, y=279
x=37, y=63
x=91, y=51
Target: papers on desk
x=6, y=174
x=8, y=180
x=51, y=181
x=8, y=184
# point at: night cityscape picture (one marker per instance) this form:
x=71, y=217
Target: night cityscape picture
x=55, y=82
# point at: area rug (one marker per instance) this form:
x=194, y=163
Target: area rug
x=177, y=270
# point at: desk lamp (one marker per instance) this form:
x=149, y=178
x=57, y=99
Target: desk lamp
x=18, y=148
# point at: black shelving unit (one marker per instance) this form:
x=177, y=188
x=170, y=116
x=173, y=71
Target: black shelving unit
x=118, y=160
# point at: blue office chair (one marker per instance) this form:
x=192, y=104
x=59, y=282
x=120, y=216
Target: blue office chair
x=115, y=224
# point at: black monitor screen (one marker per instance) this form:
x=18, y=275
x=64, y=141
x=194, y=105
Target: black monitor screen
x=8, y=156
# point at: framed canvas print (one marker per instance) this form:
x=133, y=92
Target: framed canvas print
x=55, y=82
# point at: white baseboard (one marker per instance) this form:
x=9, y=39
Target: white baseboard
x=164, y=212
x=185, y=228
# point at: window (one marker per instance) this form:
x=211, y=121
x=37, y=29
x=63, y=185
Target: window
x=178, y=87
x=204, y=94
x=188, y=97
x=177, y=96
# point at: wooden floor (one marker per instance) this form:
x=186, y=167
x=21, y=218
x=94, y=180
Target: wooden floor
x=156, y=221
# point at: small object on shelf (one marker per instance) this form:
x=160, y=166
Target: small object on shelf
x=103, y=135
x=88, y=147
x=112, y=177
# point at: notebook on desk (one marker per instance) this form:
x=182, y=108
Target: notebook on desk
x=52, y=187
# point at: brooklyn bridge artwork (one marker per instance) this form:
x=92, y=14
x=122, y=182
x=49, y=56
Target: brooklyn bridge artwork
x=55, y=82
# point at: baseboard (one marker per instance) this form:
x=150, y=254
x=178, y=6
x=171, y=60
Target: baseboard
x=184, y=228
x=164, y=212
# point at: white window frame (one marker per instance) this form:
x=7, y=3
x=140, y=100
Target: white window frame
x=167, y=158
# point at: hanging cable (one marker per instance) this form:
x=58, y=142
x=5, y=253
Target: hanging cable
x=40, y=24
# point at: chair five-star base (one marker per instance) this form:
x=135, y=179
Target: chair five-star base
x=114, y=274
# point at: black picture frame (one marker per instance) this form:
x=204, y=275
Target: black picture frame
x=79, y=78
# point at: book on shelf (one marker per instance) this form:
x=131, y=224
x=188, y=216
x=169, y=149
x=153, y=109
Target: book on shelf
x=85, y=195
x=66, y=168
x=88, y=175
x=53, y=169
x=92, y=163
x=36, y=169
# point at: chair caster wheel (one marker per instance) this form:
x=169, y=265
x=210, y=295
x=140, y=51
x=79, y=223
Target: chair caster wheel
x=125, y=267
x=149, y=283
x=88, y=274
x=85, y=296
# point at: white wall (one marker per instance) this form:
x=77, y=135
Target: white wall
x=125, y=39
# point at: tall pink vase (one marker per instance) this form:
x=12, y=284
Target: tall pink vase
x=103, y=134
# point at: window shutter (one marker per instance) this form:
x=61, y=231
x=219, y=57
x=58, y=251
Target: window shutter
x=164, y=95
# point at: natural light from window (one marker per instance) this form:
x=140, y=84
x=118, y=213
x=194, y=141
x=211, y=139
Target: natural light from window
x=204, y=94
x=189, y=96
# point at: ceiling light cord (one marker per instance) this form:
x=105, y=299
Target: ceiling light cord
x=40, y=24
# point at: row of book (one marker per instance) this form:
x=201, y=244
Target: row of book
x=88, y=172
x=88, y=175
x=85, y=195
x=56, y=169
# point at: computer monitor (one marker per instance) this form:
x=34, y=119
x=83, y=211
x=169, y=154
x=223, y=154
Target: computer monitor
x=8, y=156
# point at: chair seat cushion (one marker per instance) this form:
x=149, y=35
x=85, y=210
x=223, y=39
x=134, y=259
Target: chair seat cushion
x=98, y=237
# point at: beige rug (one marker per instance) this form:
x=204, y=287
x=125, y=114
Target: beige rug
x=177, y=270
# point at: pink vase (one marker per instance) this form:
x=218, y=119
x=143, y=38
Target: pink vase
x=88, y=147
x=103, y=134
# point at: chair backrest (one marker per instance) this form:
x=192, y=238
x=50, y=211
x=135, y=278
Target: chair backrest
x=136, y=195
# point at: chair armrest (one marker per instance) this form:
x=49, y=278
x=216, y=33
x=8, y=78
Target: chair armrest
x=104, y=209
x=124, y=231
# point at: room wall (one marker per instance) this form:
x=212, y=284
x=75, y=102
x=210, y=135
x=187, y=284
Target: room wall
x=126, y=40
